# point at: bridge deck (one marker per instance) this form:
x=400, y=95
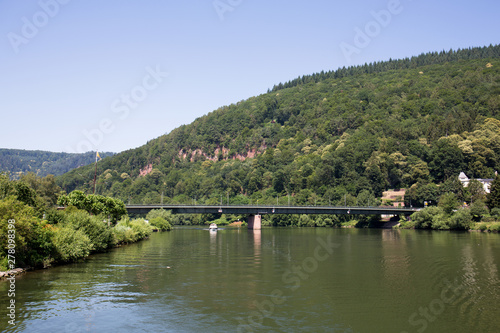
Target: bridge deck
x=261, y=210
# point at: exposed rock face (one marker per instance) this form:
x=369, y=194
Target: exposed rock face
x=146, y=170
x=191, y=154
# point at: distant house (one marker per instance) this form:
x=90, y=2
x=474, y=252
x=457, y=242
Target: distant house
x=395, y=198
x=465, y=182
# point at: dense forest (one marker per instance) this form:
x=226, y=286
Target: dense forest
x=338, y=137
x=43, y=163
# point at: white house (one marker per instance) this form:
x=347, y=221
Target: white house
x=465, y=182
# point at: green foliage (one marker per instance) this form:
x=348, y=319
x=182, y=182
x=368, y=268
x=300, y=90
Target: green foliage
x=142, y=228
x=483, y=227
x=448, y=202
x=438, y=219
x=424, y=219
x=54, y=216
x=94, y=204
x=462, y=220
x=43, y=163
x=32, y=237
x=161, y=224
x=123, y=233
x=71, y=244
x=94, y=227
x=494, y=227
x=161, y=219
x=130, y=231
x=495, y=212
x=493, y=200
x=477, y=210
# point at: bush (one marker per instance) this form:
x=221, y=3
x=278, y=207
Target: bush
x=424, y=219
x=55, y=216
x=160, y=223
x=164, y=214
x=478, y=209
x=94, y=227
x=461, y=220
x=494, y=227
x=495, y=212
x=142, y=228
x=483, y=227
x=71, y=244
x=33, y=242
x=406, y=224
x=124, y=234
x=441, y=221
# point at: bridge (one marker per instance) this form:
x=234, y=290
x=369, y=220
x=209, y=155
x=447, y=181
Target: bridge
x=255, y=212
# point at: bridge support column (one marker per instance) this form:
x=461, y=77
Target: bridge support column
x=255, y=222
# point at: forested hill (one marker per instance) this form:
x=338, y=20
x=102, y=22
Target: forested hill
x=325, y=140
x=43, y=163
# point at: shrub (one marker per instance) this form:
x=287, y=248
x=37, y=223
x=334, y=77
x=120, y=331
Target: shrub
x=55, y=216
x=495, y=227
x=71, y=244
x=406, y=224
x=483, y=227
x=4, y=262
x=142, y=228
x=441, y=221
x=124, y=234
x=424, y=219
x=161, y=224
x=94, y=227
x=495, y=212
x=165, y=214
x=461, y=220
x=477, y=210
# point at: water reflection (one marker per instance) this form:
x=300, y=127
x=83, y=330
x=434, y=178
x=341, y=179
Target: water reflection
x=257, y=244
x=381, y=276
x=213, y=241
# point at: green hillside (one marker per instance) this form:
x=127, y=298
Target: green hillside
x=332, y=137
x=43, y=163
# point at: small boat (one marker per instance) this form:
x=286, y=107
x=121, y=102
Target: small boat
x=212, y=226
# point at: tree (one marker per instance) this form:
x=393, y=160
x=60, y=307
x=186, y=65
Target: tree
x=493, y=200
x=448, y=202
x=475, y=191
x=447, y=160
x=94, y=204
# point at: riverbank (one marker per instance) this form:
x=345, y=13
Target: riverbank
x=12, y=272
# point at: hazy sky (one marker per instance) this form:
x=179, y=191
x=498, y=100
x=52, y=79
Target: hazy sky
x=109, y=75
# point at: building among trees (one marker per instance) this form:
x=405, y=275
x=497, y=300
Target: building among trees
x=465, y=182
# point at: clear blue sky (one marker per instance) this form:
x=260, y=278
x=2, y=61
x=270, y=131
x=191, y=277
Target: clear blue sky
x=109, y=75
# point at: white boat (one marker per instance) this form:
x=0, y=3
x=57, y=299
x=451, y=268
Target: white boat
x=212, y=226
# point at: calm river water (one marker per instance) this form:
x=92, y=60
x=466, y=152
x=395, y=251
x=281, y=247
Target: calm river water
x=274, y=280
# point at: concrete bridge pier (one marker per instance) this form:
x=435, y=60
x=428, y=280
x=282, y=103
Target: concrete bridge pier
x=255, y=222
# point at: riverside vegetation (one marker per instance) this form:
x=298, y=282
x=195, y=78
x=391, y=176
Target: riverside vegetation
x=45, y=236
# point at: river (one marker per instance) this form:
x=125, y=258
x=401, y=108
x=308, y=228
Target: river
x=273, y=280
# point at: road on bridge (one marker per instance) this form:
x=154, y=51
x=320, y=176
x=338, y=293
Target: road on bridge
x=261, y=210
